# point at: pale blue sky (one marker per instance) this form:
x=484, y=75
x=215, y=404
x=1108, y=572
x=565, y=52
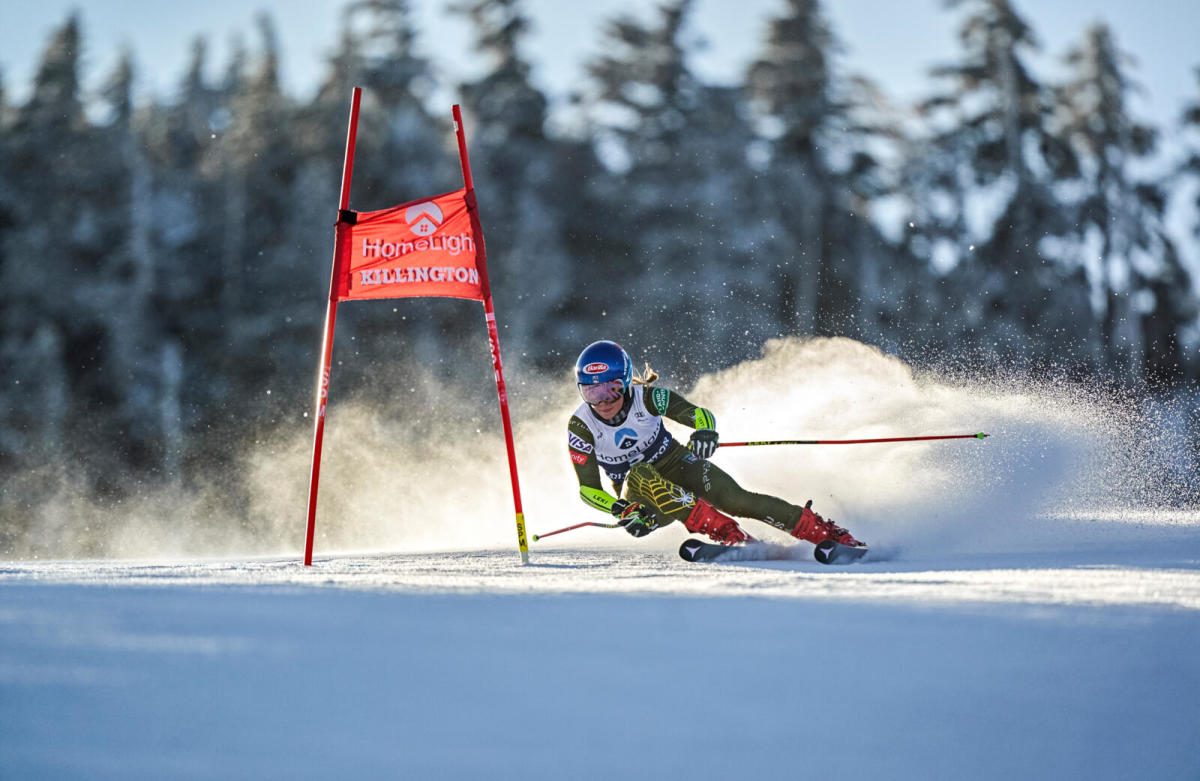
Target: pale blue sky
x=892, y=41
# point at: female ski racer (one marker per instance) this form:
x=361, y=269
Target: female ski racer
x=619, y=428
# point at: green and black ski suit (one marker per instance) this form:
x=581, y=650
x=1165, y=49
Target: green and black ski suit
x=639, y=455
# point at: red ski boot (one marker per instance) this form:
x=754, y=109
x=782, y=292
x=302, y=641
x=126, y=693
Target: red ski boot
x=706, y=519
x=815, y=529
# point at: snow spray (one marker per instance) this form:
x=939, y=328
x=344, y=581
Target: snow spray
x=1062, y=458
x=1065, y=463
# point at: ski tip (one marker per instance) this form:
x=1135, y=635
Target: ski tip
x=825, y=552
x=830, y=552
x=698, y=550
x=690, y=549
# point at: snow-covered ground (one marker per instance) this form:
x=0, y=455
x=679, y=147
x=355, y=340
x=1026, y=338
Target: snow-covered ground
x=1030, y=608
x=606, y=663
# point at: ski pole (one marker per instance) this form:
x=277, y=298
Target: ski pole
x=537, y=537
x=980, y=435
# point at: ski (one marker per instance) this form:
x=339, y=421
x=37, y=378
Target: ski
x=828, y=552
x=696, y=550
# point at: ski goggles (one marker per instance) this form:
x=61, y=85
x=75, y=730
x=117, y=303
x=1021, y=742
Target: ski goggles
x=602, y=391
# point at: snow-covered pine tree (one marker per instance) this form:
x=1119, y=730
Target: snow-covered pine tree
x=1119, y=223
x=1191, y=168
x=1190, y=124
x=6, y=109
x=822, y=178
x=990, y=205
x=522, y=195
x=677, y=150
x=128, y=305
x=743, y=238
x=180, y=139
x=256, y=159
x=9, y=446
x=402, y=148
x=52, y=339
x=1171, y=330
x=791, y=85
x=183, y=140
x=643, y=100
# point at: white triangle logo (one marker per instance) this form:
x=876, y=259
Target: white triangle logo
x=692, y=550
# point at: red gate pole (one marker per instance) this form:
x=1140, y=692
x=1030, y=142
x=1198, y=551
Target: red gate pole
x=489, y=314
x=327, y=340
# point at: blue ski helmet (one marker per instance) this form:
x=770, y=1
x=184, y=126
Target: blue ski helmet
x=603, y=364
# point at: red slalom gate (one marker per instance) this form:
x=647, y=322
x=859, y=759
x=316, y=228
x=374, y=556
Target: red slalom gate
x=429, y=247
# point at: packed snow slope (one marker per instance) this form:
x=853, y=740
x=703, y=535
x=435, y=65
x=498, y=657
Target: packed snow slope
x=601, y=664
x=1030, y=608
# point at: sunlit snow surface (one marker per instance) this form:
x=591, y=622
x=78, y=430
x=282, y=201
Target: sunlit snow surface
x=618, y=662
x=1159, y=574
